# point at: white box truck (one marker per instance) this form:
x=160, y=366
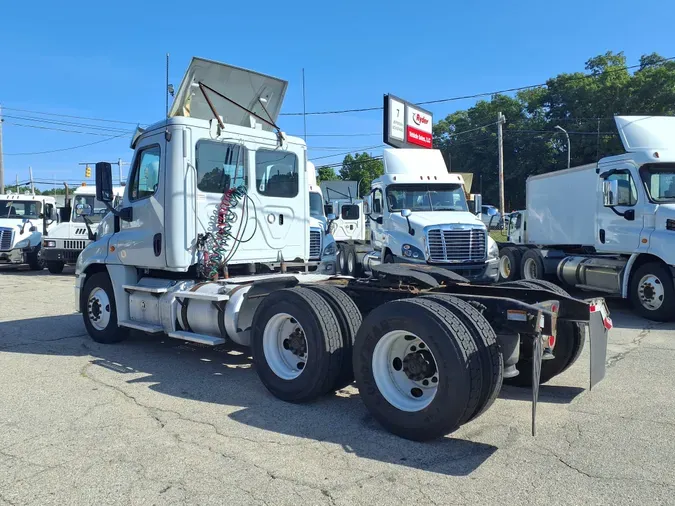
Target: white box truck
x=607, y=226
x=217, y=184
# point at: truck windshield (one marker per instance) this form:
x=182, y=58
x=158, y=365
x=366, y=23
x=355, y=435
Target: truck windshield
x=98, y=209
x=426, y=197
x=20, y=209
x=659, y=179
x=315, y=205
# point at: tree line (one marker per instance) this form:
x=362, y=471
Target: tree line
x=581, y=103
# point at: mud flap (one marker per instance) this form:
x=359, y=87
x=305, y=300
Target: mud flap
x=537, y=354
x=598, y=327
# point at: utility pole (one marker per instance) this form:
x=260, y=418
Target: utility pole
x=304, y=110
x=501, y=119
x=32, y=186
x=2, y=165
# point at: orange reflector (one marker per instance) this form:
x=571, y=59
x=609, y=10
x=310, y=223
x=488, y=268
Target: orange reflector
x=112, y=248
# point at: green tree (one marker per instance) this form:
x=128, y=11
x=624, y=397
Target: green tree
x=363, y=168
x=326, y=174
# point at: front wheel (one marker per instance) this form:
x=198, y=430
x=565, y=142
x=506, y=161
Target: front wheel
x=652, y=293
x=35, y=261
x=55, y=267
x=99, y=310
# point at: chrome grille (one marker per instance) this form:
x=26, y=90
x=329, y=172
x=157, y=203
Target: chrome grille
x=460, y=245
x=74, y=244
x=314, y=244
x=6, y=239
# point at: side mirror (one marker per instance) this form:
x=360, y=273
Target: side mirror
x=104, y=184
x=610, y=193
x=478, y=204
x=406, y=212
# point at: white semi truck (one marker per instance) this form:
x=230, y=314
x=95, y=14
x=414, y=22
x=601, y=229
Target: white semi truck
x=66, y=240
x=607, y=227
x=215, y=205
x=418, y=214
x=24, y=219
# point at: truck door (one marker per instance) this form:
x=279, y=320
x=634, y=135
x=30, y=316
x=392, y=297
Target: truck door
x=619, y=227
x=140, y=242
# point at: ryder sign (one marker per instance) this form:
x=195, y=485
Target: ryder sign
x=406, y=125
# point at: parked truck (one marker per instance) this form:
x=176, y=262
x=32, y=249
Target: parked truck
x=607, y=226
x=24, y=219
x=215, y=205
x=66, y=240
x=418, y=214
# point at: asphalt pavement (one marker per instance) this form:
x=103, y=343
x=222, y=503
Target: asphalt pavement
x=157, y=421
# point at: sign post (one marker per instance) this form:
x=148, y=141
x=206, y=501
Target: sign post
x=406, y=125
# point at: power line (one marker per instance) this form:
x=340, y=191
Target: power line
x=69, y=116
x=346, y=152
x=475, y=95
x=23, y=125
x=67, y=149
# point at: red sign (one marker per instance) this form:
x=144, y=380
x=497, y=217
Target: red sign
x=418, y=137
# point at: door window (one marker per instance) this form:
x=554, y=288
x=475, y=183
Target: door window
x=145, y=177
x=377, y=201
x=220, y=166
x=276, y=173
x=627, y=189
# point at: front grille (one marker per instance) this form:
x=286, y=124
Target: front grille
x=74, y=244
x=314, y=244
x=6, y=236
x=461, y=245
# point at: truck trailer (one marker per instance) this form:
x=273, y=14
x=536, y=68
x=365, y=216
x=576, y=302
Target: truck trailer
x=217, y=201
x=607, y=226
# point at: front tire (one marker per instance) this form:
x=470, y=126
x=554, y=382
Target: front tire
x=35, y=261
x=652, y=293
x=509, y=264
x=55, y=267
x=100, y=311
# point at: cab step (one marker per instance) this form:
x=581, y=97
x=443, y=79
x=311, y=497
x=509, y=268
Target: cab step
x=145, y=327
x=197, y=338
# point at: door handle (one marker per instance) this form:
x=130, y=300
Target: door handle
x=281, y=219
x=157, y=244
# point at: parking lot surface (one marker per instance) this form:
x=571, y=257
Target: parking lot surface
x=157, y=421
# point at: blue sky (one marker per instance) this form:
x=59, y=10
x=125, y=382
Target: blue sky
x=106, y=60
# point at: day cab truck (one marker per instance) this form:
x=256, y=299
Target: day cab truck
x=216, y=204
x=24, y=220
x=606, y=227
x=418, y=214
x=322, y=246
x=67, y=239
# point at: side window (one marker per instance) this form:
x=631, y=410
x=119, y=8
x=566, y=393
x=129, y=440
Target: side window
x=276, y=173
x=627, y=189
x=350, y=212
x=145, y=177
x=220, y=166
x=377, y=201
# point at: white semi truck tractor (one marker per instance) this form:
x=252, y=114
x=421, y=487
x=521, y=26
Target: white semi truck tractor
x=203, y=248
x=24, y=220
x=418, y=214
x=607, y=226
x=67, y=239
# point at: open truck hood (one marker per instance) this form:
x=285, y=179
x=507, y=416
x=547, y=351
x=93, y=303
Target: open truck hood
x=244, y=87
x=640, y=133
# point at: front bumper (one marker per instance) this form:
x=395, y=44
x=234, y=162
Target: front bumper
x=79, y=279
x=479, y=273
x=14, y=256
x=67, y=256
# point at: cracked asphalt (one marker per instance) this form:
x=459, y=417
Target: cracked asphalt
x=156, y=421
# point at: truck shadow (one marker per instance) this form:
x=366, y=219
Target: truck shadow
x=224, y=376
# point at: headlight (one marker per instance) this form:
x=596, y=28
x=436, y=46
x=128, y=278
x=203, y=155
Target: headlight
x=493, y=249
x=330, y=250
x=410, y=251
x=23, y=244
x=49, y=244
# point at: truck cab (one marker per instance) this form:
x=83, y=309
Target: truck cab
x=418, y=214
x=322, y=247
x=24, y=219
x=67, y=239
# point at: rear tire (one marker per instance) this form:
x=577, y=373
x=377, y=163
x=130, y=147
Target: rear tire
x=286, y=324
x=349, y=319
x=492, y=360
x=509, y=264
x=532, y=265
x=351, y=261
x=393, y=389
x=341, y=259
x=652, y=293
x=570, y=340
x=55, y=267
x=99, y=310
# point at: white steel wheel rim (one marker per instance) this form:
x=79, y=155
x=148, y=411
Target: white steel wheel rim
x=530, y=269
x=651, y=292
x=285, y=346
x=98, y=309
x=505, y=267
x=396, y=355
x=341, y=259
